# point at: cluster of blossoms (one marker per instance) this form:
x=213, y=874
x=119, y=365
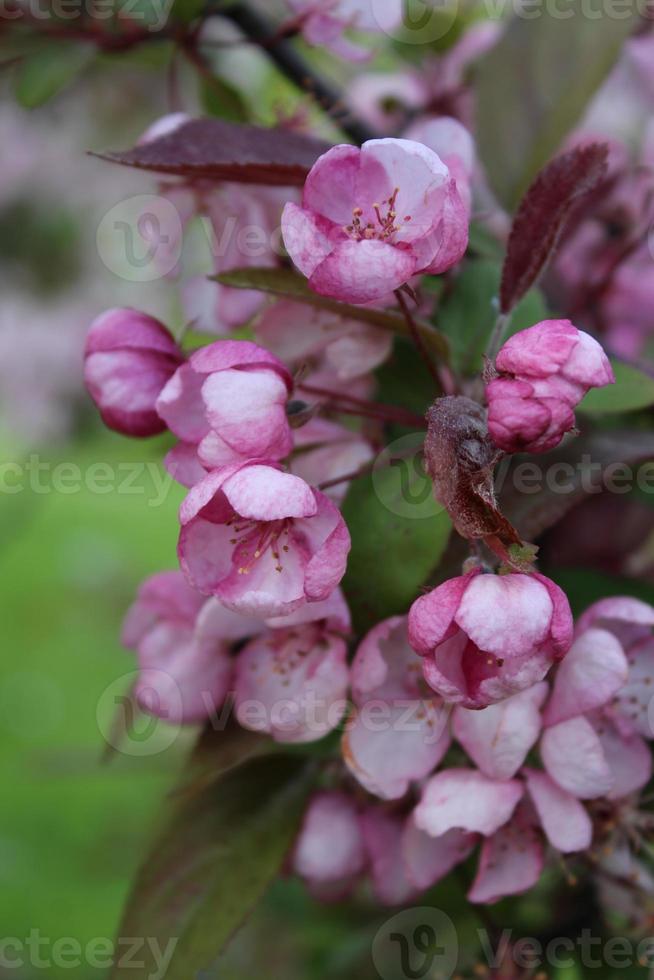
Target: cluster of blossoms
x=451, y=733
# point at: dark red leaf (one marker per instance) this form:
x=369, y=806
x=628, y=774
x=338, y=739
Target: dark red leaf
x=220, y=150
x=460, y=459
x=542, y=214
x=580, y=465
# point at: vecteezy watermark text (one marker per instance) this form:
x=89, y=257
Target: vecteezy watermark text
x=149, y=955
x=403, y=486
x=422, y=944
x=152, y=16
x=42, y=477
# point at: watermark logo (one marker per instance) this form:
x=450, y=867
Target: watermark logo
x=140, y=239
x=416, y=944
x=423, y=21
x=138, y=731
x=400, y=481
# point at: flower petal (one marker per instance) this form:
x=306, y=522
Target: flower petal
x=467, y=800
x=565, y=820
x=573, y=756
x=361, y=272
x=499, y=737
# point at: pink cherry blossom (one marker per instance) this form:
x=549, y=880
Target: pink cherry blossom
x=400, y=730
x=243, y=223
x=298, y=333
x=485, y=637
x=261, y=540
x=329, y=852
x=182, y=641
x=128, y=359
x=230, y=401
x=292, y=683
x=544, y=372
x=372, y=218
x=631, y=622
x=324, y=22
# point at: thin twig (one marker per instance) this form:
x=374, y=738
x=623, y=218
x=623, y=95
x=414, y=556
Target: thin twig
x=350, y=405
x=281, y=50
x=417, y=339
x=497, y=336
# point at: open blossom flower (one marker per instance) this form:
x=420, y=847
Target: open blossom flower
x=229, y=401
x=244, y=226
x=400, y=730
x=297, y=333
x=128, y=359
x=324, y=22
x=182, y=641
x=262, y=541
x=485, y=637
x=372, y=218
x=292, y=683
x=545, y=371
x=631, y=622
x=589, y=747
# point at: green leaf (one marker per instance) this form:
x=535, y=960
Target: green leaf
x=633, y=389
x=221, y=99
x=218, y=752
x=399, y=533
x=534, y=85
x=212, y=864
x=484, y=244
x=186, y=11
x=42, y=75
x=468, y=315
x=284, y=282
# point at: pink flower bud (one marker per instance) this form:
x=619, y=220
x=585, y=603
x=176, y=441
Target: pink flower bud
x=230, y=401
x=486, y=637
x=329, y=851
x=325, y=24
x=545, y=372
x=372, y=218
x=128, y=358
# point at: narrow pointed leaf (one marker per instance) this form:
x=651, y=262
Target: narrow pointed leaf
x=211, y=865
x=222, y=150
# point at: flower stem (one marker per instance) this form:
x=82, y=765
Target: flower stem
x=497, y=336
x=442, y=377
x=350, y=405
